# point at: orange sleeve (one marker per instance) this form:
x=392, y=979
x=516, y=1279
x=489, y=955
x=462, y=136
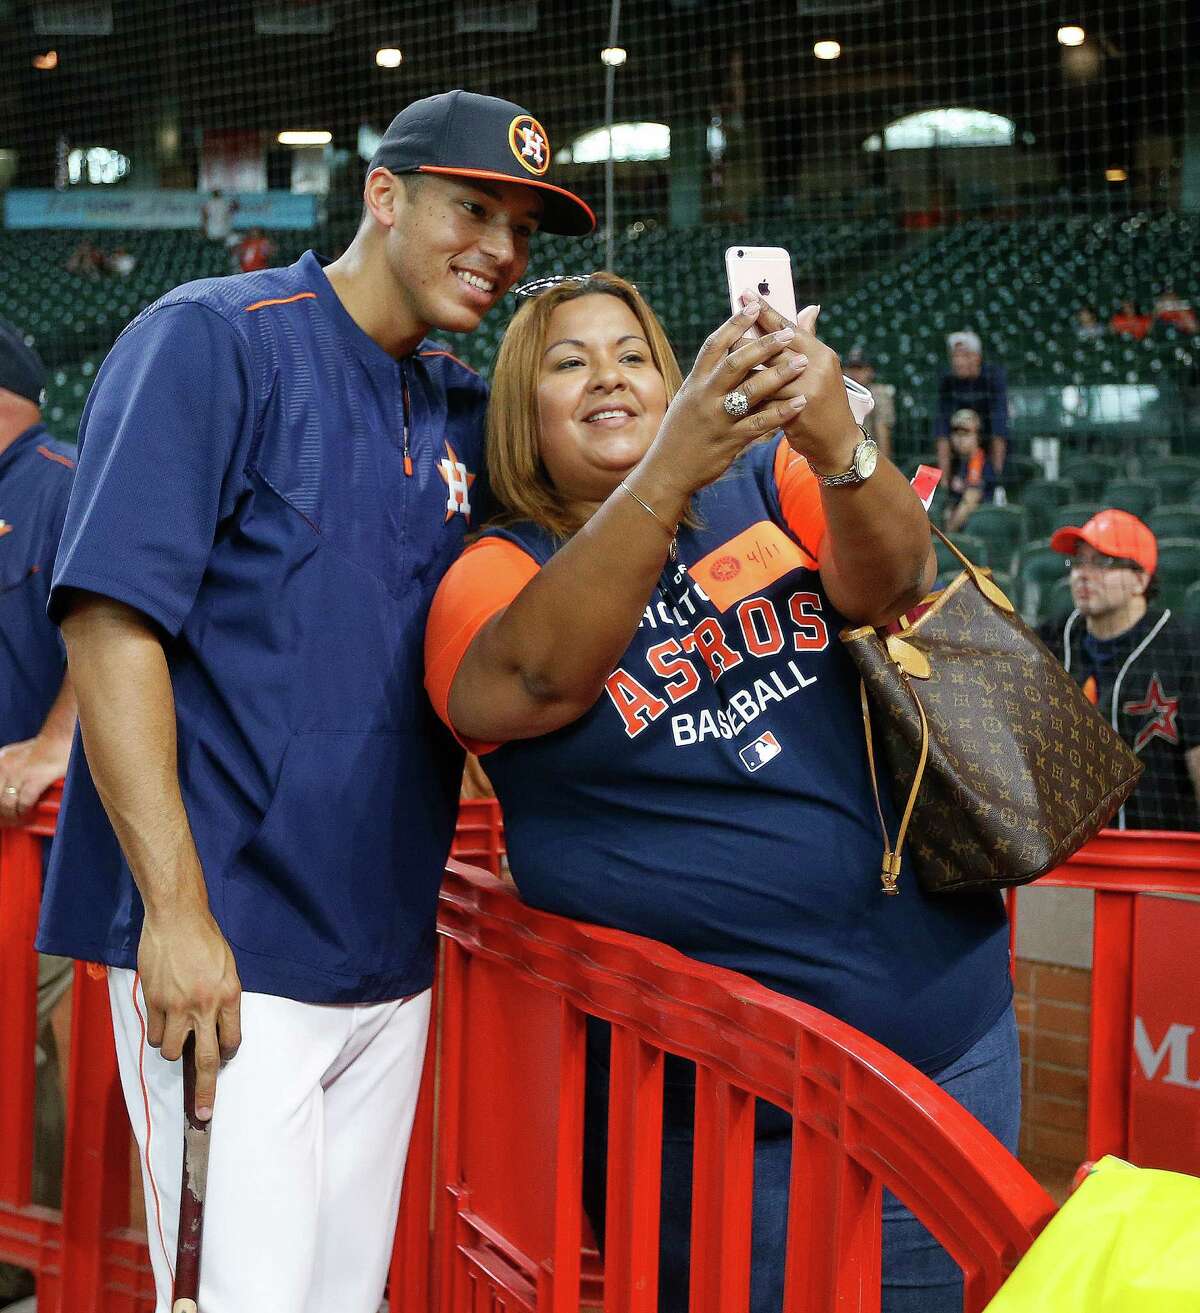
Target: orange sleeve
x=799, y=498
x=975, y=470
x=484, y=580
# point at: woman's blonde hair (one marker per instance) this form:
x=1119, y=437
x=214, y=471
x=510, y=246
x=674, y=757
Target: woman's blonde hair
x=518, y=477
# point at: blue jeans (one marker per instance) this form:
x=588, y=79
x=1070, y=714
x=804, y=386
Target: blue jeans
x=918, y=1275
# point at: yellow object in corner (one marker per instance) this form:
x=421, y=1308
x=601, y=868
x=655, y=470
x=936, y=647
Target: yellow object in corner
x=1127, y=1241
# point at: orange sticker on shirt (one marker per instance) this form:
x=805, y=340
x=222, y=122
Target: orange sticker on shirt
x=748, y=563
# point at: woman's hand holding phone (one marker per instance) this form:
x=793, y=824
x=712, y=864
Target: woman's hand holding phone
x=699, y=437
x=824, y=431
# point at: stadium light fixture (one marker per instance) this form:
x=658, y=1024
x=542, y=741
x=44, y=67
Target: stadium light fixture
x=389, y=57
x=303, y=137
x=1116, y=175
x=827, y=49
x=1071, y=35
x=46, y=62
x=613, y=56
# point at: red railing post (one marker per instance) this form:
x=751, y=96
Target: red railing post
x=448, y=1231
x=1110, y=1046
x=722, y=1192
x=409, y=1285
x=634, y=1175
x=96, y=1161
x=568, y=1166
x=20, y=877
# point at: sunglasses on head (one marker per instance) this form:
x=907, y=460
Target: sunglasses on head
x=536, y=286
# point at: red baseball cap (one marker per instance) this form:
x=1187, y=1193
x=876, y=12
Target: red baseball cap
x=1114, y=533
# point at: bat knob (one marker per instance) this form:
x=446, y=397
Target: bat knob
x=184, y=1306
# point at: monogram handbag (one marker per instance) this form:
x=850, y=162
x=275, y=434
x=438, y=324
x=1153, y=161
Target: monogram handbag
x=1001, y=767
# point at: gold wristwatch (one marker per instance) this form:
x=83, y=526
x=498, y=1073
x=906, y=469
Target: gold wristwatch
x=862, y=465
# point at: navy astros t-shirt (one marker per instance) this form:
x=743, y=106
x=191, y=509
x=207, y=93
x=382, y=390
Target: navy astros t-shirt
x=717, y=796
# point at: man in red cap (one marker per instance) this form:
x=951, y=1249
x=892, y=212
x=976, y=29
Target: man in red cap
x=1135, y=662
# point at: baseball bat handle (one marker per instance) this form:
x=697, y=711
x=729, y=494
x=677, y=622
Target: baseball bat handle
x=192, y=1192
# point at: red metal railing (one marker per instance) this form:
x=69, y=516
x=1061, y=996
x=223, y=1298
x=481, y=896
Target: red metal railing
x=515, y=987
x=1119, y=865
x=506, y=1178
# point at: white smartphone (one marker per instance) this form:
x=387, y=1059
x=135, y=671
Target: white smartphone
x=767, y=272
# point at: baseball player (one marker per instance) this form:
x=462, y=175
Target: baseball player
x=276, y=469
x=37, y=703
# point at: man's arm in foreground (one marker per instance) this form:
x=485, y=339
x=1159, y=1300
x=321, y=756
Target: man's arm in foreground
x=127, y=718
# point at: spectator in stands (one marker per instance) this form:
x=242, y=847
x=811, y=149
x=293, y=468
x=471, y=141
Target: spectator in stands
x=972, y=478
x=1129, y=321
x=1172, y=311
x=216, y=217
x=254, y=251
x=882, y=420
x=971, y=384
x=1087, y=324
x=275, y=470
x=87, y=260
x=37, y=704
x=678, y=747
x=1136, y=662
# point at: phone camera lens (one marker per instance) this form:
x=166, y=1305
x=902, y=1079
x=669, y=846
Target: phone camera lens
x=740, y=254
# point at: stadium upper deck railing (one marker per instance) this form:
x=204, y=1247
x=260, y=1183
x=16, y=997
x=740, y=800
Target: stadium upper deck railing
x=498, y=1170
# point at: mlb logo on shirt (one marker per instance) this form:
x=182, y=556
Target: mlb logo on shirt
x=762, y=750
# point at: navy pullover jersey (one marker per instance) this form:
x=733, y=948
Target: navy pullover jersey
x=35, y=483
x=280, y=497
x=717, y=796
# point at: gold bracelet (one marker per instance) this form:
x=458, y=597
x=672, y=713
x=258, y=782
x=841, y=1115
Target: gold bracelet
x=673, y=550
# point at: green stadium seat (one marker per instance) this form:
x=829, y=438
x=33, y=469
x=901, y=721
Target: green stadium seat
x=1056, y=602
x=1189, y=608
x=1003, y=528
x=1039, y=569
x=1076, y=513
x=1090, y=473
x=1178, y=568
x=1137, y=496
x=1173, y=473
x=1019, y=471
x=1175, y=521
x=1042, y=499
x=972, y=547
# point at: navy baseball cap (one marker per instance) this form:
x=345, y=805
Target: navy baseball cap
x=21, y=368
x=462, y=134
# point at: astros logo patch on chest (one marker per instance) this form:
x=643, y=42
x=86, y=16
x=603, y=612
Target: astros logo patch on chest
x=458, y=481
x=5, y=527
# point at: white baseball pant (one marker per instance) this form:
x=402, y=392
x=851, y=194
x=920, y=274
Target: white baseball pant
x=309, y=1137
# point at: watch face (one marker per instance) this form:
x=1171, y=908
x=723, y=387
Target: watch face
x=865, y=459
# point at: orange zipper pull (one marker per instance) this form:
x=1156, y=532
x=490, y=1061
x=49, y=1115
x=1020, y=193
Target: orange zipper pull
x=408, y=465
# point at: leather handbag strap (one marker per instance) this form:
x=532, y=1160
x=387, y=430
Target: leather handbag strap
x=892, y=857
x=986, y=585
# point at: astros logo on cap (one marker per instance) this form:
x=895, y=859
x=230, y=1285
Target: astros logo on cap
x=529, y=144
